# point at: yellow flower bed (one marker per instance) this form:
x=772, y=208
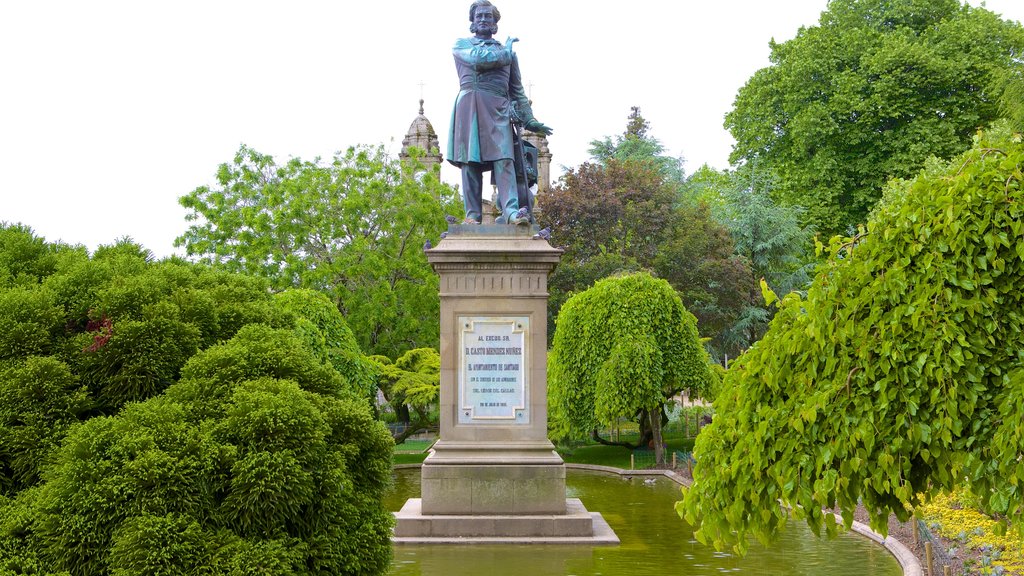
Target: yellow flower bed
x=947, y=516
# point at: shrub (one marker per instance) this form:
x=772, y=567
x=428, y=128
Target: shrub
x=259, y=452
x=30, y=320
x=39, y=400
x=322, y=327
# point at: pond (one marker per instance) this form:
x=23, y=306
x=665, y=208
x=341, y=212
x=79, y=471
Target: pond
x=655, y=541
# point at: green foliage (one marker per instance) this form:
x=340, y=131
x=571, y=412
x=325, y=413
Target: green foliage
x=420, y=380
x=625, y=345
x=637, y=145
x=621, y=207
x=900, y=375
x=324, y=331
x=868, y=94
x=766, y=235
x=124, y=451
x=139, y=360
x=31, y=320
x=26, y=259
x=1010, y=84
x=144, y=320
x=411, y=385
x=631, y=210
x=19, y=543
x=165, y=545
x=624, y=216
x=255, y=352
x=351, y=228
x=276, y=461
x=39, y=400
x=572, y=276
x=699, y=260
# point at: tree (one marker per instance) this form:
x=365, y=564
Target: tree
x=352, y=228
x=868, y=94
x=411, y=385
x=625, y=216
x=766, y=235
x=698, y=259
x=25, y=257
x=622, y=206
x=608, y=219
x=325, y=332
x=1011, y=87
x=636, y=144
x=898, y=376
x=260, y=458
x=622, y=349
x=631, y=210
x=168, y=418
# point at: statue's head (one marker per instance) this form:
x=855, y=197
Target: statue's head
x=484, y=18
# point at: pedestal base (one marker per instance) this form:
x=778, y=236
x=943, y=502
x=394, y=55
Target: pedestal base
x=575, y=526
x=505, y=478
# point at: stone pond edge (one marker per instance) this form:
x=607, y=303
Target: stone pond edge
x=911, y=566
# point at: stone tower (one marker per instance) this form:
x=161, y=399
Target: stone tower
x=543, y=159
x=421, y=135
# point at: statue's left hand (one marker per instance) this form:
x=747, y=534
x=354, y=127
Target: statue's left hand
x=509, y=42
x=535, y=126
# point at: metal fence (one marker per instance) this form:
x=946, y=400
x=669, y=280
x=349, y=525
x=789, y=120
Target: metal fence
x=644, y=458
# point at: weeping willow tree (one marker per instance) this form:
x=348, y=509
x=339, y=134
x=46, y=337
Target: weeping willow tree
x=622, y=349
x=900, y=374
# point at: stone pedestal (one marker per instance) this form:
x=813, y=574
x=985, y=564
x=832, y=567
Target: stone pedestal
x=493, y=474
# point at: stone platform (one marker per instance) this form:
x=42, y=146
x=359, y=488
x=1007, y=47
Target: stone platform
x=576, y=526
x=481, y=477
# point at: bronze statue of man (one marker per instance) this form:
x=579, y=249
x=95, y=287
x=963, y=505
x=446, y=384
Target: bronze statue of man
x=482, y=135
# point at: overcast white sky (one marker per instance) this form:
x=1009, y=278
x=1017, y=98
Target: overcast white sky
x=110, y=111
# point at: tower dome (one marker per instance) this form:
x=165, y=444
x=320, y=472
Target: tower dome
x=421, y=135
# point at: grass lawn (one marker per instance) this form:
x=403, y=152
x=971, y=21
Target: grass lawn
x=413, y=446
x=400, y=458
x=616, y=455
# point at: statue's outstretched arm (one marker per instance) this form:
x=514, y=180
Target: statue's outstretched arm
x=522, y=102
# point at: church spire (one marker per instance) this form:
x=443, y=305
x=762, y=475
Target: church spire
x=421, y=135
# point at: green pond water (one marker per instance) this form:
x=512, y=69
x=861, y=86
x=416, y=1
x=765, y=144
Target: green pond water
x=655, y=541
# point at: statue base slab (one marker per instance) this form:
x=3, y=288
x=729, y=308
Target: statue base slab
x=575, y=526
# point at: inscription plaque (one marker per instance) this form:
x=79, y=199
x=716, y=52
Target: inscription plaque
x=493, y=370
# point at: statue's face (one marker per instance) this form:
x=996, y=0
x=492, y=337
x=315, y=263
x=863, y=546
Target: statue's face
x=484, y=23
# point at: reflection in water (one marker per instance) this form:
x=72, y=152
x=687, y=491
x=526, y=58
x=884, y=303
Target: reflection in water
x=654, y=542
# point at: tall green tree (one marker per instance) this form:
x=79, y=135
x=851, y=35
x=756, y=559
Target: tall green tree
x=765, y=234
x=636, y=143
x=352, y=227
x=624, y=348
x=622, y=206
x=624, y=212
x=608, y=219
x=1011, y=86
x=899, y=375
x=698, y=258
x=868, y=94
